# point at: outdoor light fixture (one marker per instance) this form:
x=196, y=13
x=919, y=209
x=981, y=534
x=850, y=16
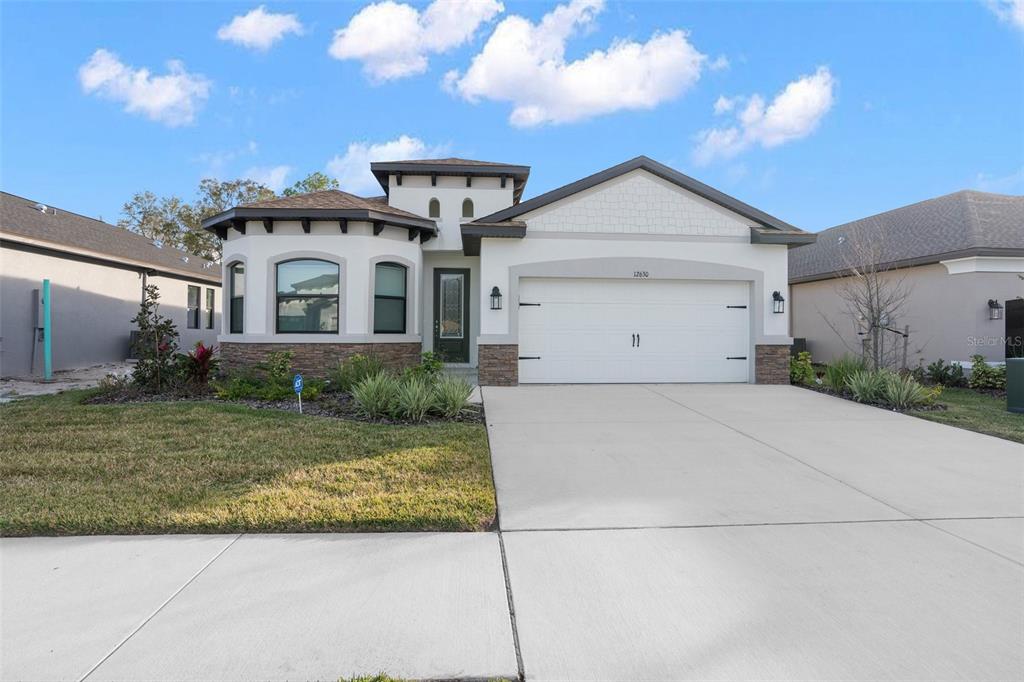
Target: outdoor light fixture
x=995, y=310
x=778, y=302
x=495, y=299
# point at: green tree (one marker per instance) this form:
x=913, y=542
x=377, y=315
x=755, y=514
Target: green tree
x=314, y=182
x=156, y=343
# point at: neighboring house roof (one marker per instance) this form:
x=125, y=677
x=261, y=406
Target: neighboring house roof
x=453, y=166
x=331, y=204
x=767, y=229
x=958, y=225
x=22, y=221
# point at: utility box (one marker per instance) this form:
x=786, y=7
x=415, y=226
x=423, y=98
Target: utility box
x=1015, y=385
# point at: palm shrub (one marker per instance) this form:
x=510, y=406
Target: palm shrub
x=986, y=377
x=838, y=373
x=800, y=369
x=353, y=370
x=902, y=392
x=376, y=395
x=414, y=398
x=866, y=385
x=451, y=396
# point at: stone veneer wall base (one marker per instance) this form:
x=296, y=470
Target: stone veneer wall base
x=316, y=359
x=771, y=364
x=498, y=365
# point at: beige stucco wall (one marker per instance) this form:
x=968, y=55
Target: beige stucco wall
x=93, y=306
x=948, y=314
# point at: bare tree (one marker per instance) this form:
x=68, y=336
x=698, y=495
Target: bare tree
x=874, y=299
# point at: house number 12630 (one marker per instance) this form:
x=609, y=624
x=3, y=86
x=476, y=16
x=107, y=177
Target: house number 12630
x=641, y=274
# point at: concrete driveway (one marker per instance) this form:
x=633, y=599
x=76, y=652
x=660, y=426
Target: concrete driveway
x=731, y=531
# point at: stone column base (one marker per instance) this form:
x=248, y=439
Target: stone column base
x=316, y=359
x=498, y=365
x=771, y=364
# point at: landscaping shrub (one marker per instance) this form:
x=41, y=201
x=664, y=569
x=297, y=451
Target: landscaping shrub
x=353, y=370
x=866, y=385
x=951, y=375
x=155, y=345
x=800, y=369
x=902, y=392
x=986, y=377
x=278, y=366
x=375, y=396
x=196, y=366
x=451, y=396
x=430, y=367
x=838, y=373
x=414, y=398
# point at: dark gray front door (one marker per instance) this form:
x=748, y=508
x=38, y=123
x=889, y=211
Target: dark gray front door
x=451, y=314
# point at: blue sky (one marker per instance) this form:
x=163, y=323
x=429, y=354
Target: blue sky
x=882, y=104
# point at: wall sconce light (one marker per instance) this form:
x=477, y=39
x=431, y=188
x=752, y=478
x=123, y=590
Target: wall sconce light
x=495, y=299
x=995, y=310
x=778, y=302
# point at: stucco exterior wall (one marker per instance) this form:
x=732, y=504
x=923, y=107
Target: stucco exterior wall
x=415, y=193
x=637, y=203
x=92, y=309
x=947, y=313
x=356, y=253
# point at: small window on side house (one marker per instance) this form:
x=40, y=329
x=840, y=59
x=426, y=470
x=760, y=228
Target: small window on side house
x=236, y=292
x=467, y=208
x=434, y=209
x=209, y=308
x=192, y=320
x=389, y=294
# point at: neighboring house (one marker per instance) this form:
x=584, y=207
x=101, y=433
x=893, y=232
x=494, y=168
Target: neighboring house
x=96, y=274
x=635, y=274
x=959, y=256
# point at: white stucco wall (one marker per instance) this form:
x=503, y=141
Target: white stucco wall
x=637, y=203
x=415, y=193
x=357, y=252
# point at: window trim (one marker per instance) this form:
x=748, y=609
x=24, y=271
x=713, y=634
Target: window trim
x=472, y=208
x=278, y=297
x=434, y=201
x=192, y=317
x=404, y=299
x=232, y=264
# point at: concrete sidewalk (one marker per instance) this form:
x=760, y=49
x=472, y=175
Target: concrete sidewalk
x=282, y=607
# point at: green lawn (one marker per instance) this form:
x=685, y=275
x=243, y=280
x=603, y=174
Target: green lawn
x=977, y=412
x=206, y=467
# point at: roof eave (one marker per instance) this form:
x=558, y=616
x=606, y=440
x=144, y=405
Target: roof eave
x=917, y=261
x=224, y=219
x=519, y=174
x=472, y=234
x=792, y=240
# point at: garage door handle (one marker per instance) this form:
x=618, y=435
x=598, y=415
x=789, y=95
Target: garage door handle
x=521, y=304
x=735, y=357
x=637, y=340
x=737, y=306
x=634, y=340
x=529, y=357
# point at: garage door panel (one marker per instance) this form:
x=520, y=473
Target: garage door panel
x=583, y=331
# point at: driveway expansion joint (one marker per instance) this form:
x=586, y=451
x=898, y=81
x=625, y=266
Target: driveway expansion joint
x=161, y=607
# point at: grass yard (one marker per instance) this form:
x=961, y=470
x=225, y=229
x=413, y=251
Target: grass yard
x=977, y=412
x=205, y=467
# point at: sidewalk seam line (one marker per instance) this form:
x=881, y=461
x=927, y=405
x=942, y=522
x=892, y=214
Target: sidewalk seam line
x=161, y=607
x=753, y=524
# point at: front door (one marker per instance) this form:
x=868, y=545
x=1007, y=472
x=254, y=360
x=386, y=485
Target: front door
x=451, y=314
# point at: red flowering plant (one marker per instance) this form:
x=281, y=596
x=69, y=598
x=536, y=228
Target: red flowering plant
x=199, y=363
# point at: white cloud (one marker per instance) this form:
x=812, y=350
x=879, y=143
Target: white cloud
x=393, y=40
x=172, y=99
x=352, y=170
x=725, y=104
x=259, y=29
x=794, y=113
x=1013, y=183
x=273, y=177
x=1010, y=11
x=524, y=63
x=720, y=63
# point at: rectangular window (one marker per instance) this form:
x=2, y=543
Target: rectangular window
x=389, y=295
x=209, y=308
x=192, y=318
x=236, y=289
x=307, y=297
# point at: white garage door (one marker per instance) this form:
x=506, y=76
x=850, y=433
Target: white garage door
x=621, y=331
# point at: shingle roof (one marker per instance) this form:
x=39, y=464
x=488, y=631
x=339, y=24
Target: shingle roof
x=955, y=225
x=454, y=161
x=62, y=230
x=332, y=199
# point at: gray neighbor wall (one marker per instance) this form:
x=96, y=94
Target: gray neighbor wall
x=948, y=315
x=93, y=305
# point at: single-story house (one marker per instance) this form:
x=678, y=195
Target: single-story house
x=637, y=273
x=959, y=259
x=96, y=274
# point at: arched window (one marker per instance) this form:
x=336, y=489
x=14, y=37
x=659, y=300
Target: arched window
x=236, y=292
x=434, y=209
x=307, y=297
x=389, y=296
x=467, y=208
